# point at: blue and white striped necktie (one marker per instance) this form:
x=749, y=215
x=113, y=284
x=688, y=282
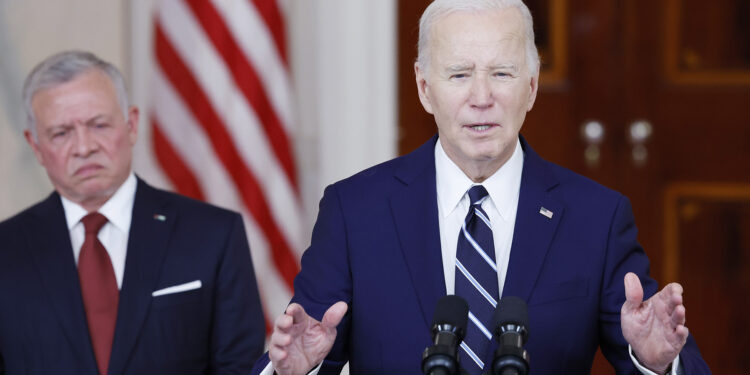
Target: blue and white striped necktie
x=476, y=280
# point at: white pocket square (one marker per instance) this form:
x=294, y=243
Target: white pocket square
x=178, y=288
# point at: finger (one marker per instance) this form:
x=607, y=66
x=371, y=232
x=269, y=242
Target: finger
x=677, y=299
x=682, y=333
x=633, y=291
x=276, y=345
x=280, y=339
x=276, y=354
x=670, y=297
x=334, y=314
x=672, y=291
x=678, y=316
x=676, y=288
x=677, y=294
x=297, y=312
x=283, y=323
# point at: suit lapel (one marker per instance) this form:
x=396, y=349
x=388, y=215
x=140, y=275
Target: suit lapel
x=147, y=245
x=534, y=230
x=52, y=254
x=414, y=209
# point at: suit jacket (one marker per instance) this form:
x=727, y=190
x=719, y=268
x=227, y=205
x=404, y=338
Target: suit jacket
x=376, y=246
x=218, y=328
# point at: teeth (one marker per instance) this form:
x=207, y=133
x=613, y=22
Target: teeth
x=480, y=127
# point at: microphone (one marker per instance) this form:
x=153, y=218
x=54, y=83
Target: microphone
x=448, y=329
x=511, y=321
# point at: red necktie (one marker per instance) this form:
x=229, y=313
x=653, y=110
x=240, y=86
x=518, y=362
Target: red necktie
x=99, y=290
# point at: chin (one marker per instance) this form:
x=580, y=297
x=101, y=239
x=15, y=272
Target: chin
x=96, y=188
x=486, y=152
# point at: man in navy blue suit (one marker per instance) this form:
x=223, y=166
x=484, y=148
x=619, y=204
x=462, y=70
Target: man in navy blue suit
x=388, y=241
x=109, y=275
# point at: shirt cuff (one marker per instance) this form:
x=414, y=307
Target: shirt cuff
x=268, y=370
x=676, y=370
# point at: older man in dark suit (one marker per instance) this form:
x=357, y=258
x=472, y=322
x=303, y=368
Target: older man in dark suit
x=477, y=213
x=109, y=275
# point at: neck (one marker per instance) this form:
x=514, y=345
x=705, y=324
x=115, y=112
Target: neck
x=94, y=205
x=480, y=170
x=479, y=173
x=91, y=204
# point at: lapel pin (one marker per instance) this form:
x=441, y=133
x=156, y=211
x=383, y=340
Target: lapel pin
x=160, y=217
x=546, y=212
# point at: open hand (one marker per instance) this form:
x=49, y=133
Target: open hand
x=299, y=342
x=654, y=328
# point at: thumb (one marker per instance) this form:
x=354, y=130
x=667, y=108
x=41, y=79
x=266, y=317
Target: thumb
x=334, y=314
x=633, y=291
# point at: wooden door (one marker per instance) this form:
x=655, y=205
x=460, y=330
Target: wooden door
x=687, y=72
x=668, y=83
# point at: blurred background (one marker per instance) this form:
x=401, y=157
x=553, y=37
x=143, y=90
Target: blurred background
x=257, y=105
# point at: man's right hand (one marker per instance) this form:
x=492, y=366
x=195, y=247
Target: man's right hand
x=299, y=342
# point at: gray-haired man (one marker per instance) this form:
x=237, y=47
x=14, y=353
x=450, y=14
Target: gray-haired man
x=109, y=275
x=393, y=239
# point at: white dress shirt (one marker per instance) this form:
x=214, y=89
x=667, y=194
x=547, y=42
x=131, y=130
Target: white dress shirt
x=453, y=205
x=504, y=187
x=114, y=234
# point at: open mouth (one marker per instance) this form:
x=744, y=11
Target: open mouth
x=481, y=127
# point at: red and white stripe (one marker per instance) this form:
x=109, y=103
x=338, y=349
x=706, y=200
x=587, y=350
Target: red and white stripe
x=222, y=122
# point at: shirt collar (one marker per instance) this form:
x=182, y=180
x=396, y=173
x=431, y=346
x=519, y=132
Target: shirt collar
x=118, y=209
x=452, y=183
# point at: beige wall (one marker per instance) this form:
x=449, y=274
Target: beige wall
x=29, y=31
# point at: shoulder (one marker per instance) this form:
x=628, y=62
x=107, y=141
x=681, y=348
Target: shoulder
x=384, y=177
x=574, y=191
x=22, y=220
x=372, y=177
x=16, y=221
x=576, y=185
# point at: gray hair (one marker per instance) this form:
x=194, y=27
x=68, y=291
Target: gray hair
x=441, y=8
x=63, y=67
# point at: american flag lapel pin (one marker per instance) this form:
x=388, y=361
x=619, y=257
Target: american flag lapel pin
x=160, y=217
x=546, y=212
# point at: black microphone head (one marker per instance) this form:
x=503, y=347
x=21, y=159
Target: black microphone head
x=511, y=322
x=448, y=329
x=452, y=310
x=511, y=310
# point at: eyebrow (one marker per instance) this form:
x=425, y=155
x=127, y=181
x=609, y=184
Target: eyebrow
x=458, y=68
x=56, y=128
x=96, y=118
x=510, y=66
x=465, y=67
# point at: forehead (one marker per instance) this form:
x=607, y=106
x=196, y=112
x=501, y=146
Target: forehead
x=491, y=35
x=88, y=94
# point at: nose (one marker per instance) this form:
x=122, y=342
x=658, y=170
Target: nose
x=84, y=142
x=481, y=93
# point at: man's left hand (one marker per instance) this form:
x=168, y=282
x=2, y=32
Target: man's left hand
x=654, y=328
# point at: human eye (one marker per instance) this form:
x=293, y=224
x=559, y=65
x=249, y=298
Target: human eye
x=60, y=133
x=59, y=136
x=459, y=76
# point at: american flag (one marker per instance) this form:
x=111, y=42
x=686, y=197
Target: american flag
x=222, y=121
